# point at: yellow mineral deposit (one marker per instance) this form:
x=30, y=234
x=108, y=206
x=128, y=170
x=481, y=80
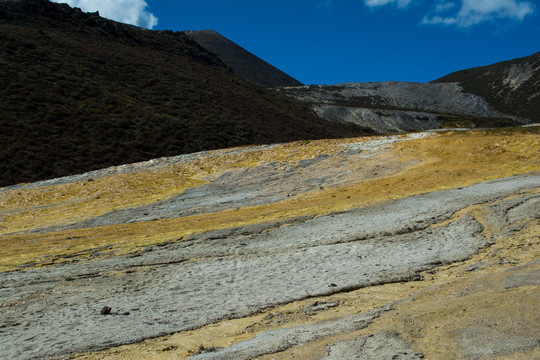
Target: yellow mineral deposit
x=429, y=313
x=439, y=162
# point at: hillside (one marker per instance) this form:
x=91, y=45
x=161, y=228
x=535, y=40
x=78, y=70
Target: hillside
x=80, y=92
x=502, y=94
x=417, y=246
x=511, y=87
x=206, y=217
x=242, y=61
x=394, y=106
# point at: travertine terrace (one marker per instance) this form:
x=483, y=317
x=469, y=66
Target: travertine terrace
x=414, y=246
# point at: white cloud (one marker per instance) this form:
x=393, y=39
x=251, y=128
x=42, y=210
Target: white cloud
x=444, y=6
x=133, y=12
x=377, y=3
x=438, y=20
x=466, y=13
x=473, y=12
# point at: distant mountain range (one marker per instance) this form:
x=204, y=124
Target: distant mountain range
x=81, y=92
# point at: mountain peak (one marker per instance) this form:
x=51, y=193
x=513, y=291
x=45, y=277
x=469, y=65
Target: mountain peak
x=242, y=61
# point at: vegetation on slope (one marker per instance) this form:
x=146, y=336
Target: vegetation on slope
x=81, y=92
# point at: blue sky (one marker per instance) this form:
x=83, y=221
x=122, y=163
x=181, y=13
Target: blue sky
x=336, y=41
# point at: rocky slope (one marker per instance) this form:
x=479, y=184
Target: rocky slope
x=400, y=106
x=242, y=61
x=511, y=87
x=412, y=246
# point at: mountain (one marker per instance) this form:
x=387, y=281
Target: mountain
x=393, y=106
x=242, y=61
x=502, y=94
x=80, y=92
x=418, y=246
x=511, y=87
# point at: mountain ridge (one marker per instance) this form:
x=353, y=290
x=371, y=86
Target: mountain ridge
x=242, y=61
x=511, y=86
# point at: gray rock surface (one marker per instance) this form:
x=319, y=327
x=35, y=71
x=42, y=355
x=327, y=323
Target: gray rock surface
x=383, y=121
x=523, y=278
x=441, y=98
x=272, y=341
x=235, y=272
x=481, y=340
x=149, y=165
x=373, y=347
x=262, y=184
x=393, y=106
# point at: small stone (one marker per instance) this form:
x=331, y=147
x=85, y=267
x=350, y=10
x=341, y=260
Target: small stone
x=106, y=310
x=169, y=348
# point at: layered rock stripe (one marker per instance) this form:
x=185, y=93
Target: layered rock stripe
x=347, y=242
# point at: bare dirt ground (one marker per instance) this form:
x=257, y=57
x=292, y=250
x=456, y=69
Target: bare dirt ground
x=406, y=247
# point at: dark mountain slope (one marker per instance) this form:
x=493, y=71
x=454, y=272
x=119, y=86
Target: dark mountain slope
x=79, y=92
x=511, y=87
x=242, y=61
